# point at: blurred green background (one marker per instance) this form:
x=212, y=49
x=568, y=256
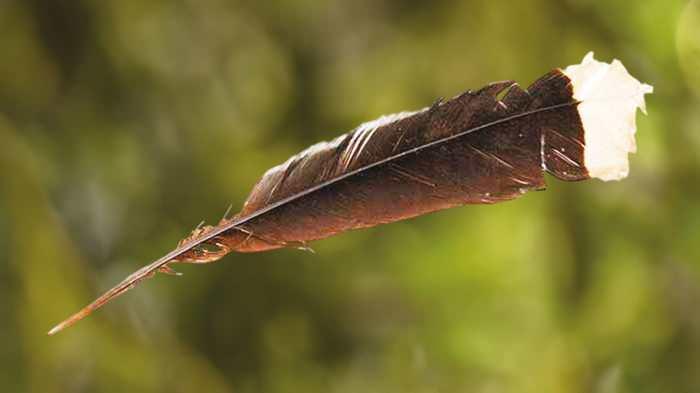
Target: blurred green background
x=123, y=123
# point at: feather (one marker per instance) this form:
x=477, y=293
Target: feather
x=475, y=148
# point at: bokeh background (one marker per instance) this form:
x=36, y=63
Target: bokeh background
x=124, y=123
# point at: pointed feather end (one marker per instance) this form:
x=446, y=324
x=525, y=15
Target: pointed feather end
x=609, y=98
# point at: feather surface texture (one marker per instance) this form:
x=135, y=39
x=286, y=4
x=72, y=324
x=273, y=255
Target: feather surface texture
x=480, y=147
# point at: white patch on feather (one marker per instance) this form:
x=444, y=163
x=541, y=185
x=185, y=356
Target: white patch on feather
x=609, y=98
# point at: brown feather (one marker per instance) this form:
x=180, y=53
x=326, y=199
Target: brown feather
x=472, y=149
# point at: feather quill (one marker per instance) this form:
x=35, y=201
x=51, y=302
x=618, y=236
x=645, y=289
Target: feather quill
x=475, y=148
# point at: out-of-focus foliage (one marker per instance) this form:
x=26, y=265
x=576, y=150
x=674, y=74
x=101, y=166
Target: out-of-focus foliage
x=123, y=123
